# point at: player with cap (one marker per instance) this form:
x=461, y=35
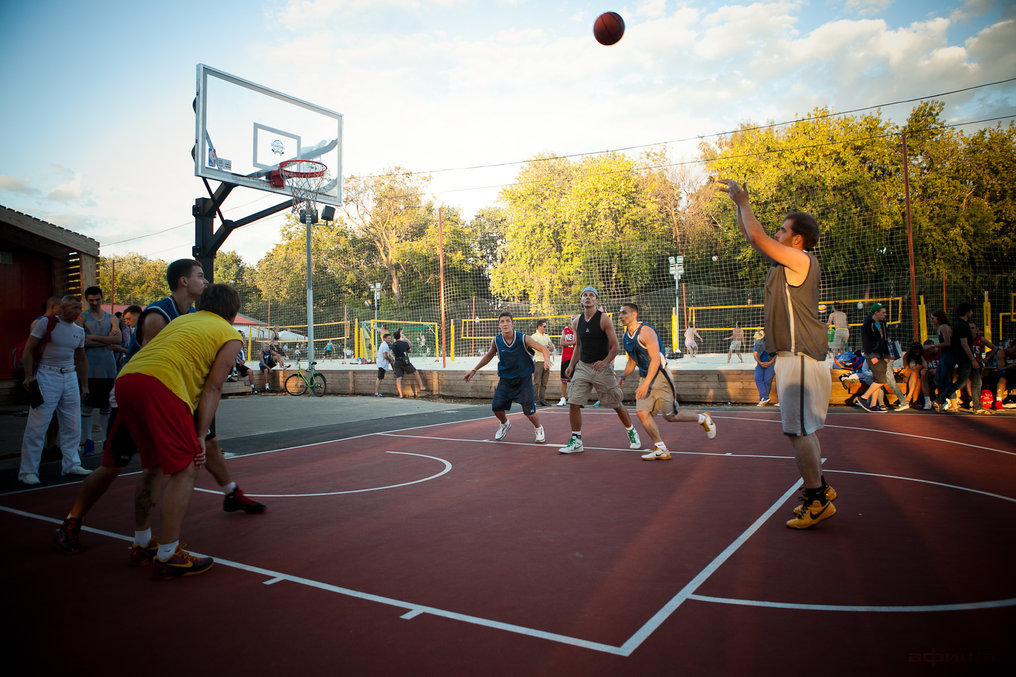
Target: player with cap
x=592, y=368
x=656, y=393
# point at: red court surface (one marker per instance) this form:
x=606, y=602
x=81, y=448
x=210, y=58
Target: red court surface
x=435, y=551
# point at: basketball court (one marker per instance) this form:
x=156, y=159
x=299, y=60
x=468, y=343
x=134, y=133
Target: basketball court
x=431, y=549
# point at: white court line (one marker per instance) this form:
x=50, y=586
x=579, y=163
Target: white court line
x=643, y=633
x=447, y=469
x=920, y=608
x=413, y=609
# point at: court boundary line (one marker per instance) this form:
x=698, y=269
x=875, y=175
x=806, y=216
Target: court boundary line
x=643, y=632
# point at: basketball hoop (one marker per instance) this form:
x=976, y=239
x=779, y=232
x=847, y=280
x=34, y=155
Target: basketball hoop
x=304, y=178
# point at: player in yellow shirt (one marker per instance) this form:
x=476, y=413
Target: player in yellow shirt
x=168, y=391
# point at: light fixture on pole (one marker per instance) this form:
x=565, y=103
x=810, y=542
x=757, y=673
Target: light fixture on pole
x=376, y=288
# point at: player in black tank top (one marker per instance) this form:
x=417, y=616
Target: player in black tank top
x=596, y=345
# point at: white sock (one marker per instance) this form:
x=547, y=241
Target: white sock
x=701, y=418
x=142, y=538
x=662, y=446
x=576, y=433
x=166, y=550
x=103, y=424
x=228, y=488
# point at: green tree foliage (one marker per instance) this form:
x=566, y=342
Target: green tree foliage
x=138, y=279
x=571, y=224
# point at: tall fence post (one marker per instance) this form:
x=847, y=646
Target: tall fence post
x=910, y=234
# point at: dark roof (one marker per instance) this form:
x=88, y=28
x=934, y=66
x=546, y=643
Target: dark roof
x=49, y=231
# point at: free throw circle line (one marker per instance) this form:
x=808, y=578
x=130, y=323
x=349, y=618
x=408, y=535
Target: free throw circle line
x=446, y=470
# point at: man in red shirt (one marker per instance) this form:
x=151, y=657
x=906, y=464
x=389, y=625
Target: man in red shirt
x=567, y=348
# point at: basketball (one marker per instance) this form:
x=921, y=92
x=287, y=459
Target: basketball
x=608, y=28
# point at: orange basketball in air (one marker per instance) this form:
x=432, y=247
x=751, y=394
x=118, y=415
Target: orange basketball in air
x=608, y=28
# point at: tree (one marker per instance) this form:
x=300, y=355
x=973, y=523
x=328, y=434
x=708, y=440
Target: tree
x=138, y=279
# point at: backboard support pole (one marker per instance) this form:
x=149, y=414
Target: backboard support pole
x=207, y=240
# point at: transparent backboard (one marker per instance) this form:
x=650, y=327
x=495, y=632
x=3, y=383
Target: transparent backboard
x=244, y=130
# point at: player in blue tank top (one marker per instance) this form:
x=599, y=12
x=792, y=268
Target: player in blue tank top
x=656, y=393
x=515, y=368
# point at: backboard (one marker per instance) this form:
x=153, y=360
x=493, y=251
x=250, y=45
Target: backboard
x=244, y=130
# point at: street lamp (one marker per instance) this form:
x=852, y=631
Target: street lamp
x=677, y=270
x=376, y=288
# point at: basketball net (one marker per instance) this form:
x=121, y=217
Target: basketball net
x=304, y=179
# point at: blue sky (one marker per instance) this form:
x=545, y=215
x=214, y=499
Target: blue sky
x=97, y=96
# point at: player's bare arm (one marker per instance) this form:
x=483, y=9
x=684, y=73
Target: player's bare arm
x=649, y=341
x=613, y=345
x=780, y=249
x=152, y=324
x=212, y=391
x=81, y=367
x=483, y=362
x=542, y=348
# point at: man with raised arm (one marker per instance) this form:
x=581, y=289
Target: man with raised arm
x=794, y=332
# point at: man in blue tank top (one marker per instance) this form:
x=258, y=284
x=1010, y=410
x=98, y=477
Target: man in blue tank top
x=656, y=393
x=515, y=368
x=592, y=368
x=794, y=332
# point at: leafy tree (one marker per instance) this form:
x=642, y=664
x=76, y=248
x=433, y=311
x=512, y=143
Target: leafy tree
x=138, y=279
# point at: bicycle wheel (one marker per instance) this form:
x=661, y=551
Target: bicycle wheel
x=295, y=385
x=317, y=385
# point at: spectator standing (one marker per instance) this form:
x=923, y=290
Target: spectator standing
x=946, y=359
x=736, y=339
x=102, y=333
x=931, y=360
x=961, y=344
x=765, y=368
x=567, y=348
x=691, y=335
x=841, y=330
x=541, y=375
x=60, y=371
x=383, y=360
x=401, y=363
x=875, y=346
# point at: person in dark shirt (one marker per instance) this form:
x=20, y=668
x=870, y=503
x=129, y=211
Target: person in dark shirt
x=961, y=346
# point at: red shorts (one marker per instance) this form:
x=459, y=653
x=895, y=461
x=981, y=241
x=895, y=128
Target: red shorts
x=161, y=423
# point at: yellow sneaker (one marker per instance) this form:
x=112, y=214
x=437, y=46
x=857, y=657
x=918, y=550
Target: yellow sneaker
x=830, y=495
x=812, y=515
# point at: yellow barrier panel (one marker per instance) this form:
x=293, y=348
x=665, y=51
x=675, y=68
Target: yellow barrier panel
x=922, y=312
x=452, y=339
x=987, y=317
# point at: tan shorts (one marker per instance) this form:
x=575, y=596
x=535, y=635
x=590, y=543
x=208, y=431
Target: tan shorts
x=803, y=386
x=585, y=380
x=660, y=399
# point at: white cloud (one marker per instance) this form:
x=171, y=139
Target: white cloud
x=16, y=185
x=867, y=7
x=71, y=190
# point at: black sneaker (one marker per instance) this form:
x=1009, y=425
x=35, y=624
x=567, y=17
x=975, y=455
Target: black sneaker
x=67, y=538
x=237, y=500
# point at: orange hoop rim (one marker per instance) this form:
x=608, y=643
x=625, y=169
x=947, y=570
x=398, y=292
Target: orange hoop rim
x=302, y=169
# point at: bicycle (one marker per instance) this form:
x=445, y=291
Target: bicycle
x=304, y=380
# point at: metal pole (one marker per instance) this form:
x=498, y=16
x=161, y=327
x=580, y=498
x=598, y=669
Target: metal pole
x=308, y=210
x=910, y=235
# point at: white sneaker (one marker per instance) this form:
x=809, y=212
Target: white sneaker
x=77, y=470
x=708, y=426
x=633, y=439
x=562, y=402
x=541, y=436
x=502, y=431
x=763, y=402
x=574, y=446
x=657, y=454
x=927, y=403
x=902, y=406
x=31, y=479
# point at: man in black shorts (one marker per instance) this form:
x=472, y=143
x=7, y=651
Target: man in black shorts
x=401, y=363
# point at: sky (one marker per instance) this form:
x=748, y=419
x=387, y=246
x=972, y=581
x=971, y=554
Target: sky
x=97, y=96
